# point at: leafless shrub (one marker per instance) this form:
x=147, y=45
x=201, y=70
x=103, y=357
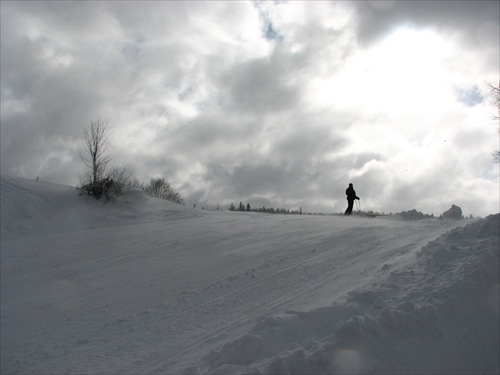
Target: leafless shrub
x=160, y=188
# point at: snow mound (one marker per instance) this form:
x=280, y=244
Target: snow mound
x=34, y=207
x=446, y=301
x=412, y=215
x=454, y=212
x=135, y=195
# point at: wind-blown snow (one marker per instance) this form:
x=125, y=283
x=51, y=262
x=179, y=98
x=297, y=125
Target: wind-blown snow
x=142, y=285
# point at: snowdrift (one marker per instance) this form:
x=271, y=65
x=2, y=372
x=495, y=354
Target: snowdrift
x=439, y=315
x=38, y=208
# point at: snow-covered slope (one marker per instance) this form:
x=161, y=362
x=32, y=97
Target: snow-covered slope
x=436, y=315
x=142, y=285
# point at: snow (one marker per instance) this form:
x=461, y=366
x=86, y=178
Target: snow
x=141, y=285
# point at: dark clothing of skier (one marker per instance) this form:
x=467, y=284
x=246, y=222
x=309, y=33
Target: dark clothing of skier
x=351, y=196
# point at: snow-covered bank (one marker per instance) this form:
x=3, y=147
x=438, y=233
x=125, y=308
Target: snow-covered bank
x=147, y=286
x=439, y=314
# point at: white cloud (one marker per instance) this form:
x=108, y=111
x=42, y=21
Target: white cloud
x=392, y=98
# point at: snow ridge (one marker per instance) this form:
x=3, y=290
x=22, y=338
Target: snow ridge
x=446, y=303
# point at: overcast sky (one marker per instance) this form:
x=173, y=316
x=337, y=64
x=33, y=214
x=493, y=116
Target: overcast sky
x=278, y=104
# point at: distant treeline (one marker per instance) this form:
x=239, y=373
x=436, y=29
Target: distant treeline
x=269, y=210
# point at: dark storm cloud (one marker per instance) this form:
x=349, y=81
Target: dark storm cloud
x=42, y=101
x=259, y=180
x=260, y=84
x=308, y=181
x=71, y=19
x=211, y=136
x=134, y=17
x=63, y=66
x=293, y=166
x=377, y=18
x=474, y=23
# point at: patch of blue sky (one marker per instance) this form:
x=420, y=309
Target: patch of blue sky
x=272, y=34
x=182, y=96
x=470, y=96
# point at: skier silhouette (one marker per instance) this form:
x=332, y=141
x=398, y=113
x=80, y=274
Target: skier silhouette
x=351, y=196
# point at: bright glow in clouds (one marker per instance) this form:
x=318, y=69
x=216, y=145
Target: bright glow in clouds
x=279, y=104
x=395, y=76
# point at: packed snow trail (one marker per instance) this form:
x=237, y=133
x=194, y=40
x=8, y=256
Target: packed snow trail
x=147, y=286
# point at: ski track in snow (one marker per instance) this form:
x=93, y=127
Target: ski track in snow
x=147, y=286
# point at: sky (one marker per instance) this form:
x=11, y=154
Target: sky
x=272, y=103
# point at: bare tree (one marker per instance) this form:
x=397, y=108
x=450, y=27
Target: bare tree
x=160, y=188
x=495, y=91
x=95, y=157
